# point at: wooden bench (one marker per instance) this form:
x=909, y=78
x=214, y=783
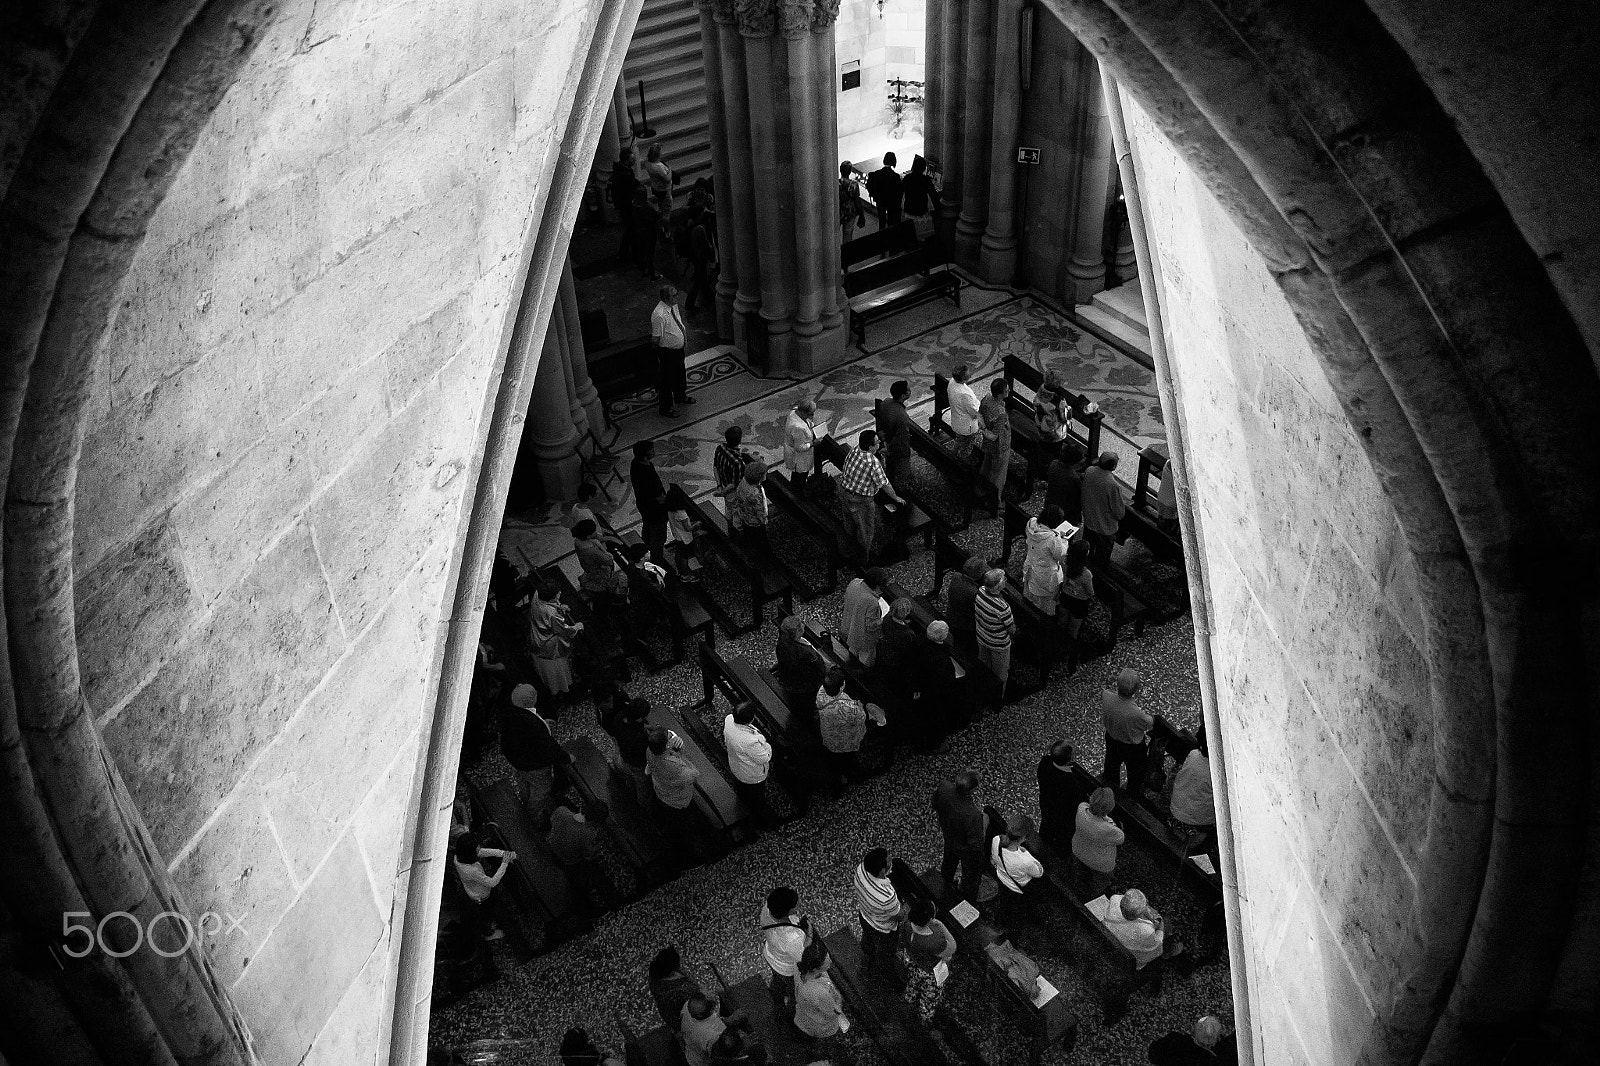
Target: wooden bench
x=1107, y=967
x=1044, y=1025
x=654, y=1047
x=895, y=240
x=959, y=472
x=796, y=755
x=622, y=369
x=631, y=828
x=783, y=1042
x=825, y=530
x=1143, y=518
x=897, y=1030
x=1025, y=431
x=1113, y=586
x=536, y=886
x=904, y=522
x=891, y=285
x=686, y=615
x=767, y=583
x=716, y=801
x=1145, y=827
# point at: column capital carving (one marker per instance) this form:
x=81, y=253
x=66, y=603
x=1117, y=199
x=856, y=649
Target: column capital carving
x=767, y=18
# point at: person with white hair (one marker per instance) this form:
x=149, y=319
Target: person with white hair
x=963, y=415
x=933, y=685
x=1207, y=1043
x=1139, y=927
x=799, y=443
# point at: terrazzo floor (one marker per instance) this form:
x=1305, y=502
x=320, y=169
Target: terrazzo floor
x=710, y=912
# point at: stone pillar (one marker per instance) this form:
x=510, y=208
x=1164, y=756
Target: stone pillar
x=769, y=71
x=550, y=427
x=997, y=252
x=594, y=416
x=1087, y=266
x=933, y=84
x=977, y=114
x=952, y=119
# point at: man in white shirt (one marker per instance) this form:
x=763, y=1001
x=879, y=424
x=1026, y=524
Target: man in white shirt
x=749, y=757
x=784, y=939
x=963, y=416
x=799, y=443
x=669, y=335
x=1137, y=925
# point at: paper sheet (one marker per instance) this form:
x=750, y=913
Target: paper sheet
x=941, y=973
x=1204, y=862
x=1098, y=906
x=1043, y=992
x=964, y=913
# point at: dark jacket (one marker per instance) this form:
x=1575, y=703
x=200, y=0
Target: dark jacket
x=919, y=193
x=647, y=488
x=894, y=427
x=961, y=601
x=800, y=671
x=629, y=733
x=526, y=741
x=1063, y=486
x=1058, y=802
x=887, y=190
x=960, y=819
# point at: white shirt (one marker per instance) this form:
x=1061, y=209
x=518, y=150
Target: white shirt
x=782, y=944
x=749, y=754
x=799, y=438
x=666, y=325
x=1014, y=867
x=963, y=415
x=477, y=883
x=1191, y=792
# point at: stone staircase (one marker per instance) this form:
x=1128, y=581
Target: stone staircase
x=1119, y=313
x=665, y=53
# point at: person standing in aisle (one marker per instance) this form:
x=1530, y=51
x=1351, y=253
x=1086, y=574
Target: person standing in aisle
x=887, y=190
x=894, y=430
x=669, y=335
x=799, y=444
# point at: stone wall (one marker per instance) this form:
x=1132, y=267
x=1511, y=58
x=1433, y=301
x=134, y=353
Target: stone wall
x=1321, y=684
x=288, y=415
x=859, y=36
x=1051, y=110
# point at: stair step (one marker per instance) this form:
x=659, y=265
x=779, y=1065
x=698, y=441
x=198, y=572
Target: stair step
x=658, y=76
x=646, y=46
x=671, y=55
x=671, y=15
x=1114, y=326
x=691, y=105
x=1125, y=302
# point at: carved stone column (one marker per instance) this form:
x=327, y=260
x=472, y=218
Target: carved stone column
x=1087, y=266
x=997, y=254
x=977, y=115
x=550, y=433
x=577, y=355
x=769, y=72
x=952, y=15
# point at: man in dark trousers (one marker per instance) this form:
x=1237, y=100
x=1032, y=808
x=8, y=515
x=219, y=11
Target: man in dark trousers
x=532, y=751
x=961, y=825
x=670, y=337
x=1063, y=483
x=624, y=183
x=894, y=430
x=1057, y=796
x=651, y=497
x=887, y=190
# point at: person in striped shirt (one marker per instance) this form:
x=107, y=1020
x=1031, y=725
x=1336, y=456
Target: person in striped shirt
x=859, y=484
x=995, y=626
x=880, y=909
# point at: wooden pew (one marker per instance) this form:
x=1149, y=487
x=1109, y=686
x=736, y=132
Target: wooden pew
x=1039, y=638
x=904, y=522
x=1143, y=518
x=1044, y=1025
x=766, y=582
x=958, y=471
x=536, y=886
x=1145, y=827
x=1113, y=586
x=796, y=755
x=894, y=1026
x=891, y=285
x=818, y=524
x=784, y=1043
x=621, y=369
x=687, y=616
x=631, y=829
x=654, y=1047
x=895, y=240
x=718, y=804
x=1026, y=432
x=1108, y=968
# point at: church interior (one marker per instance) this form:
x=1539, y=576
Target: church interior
x=648, y=532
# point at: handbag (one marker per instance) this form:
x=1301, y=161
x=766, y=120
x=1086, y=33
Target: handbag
x=924, y=226
x=1018, y=967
